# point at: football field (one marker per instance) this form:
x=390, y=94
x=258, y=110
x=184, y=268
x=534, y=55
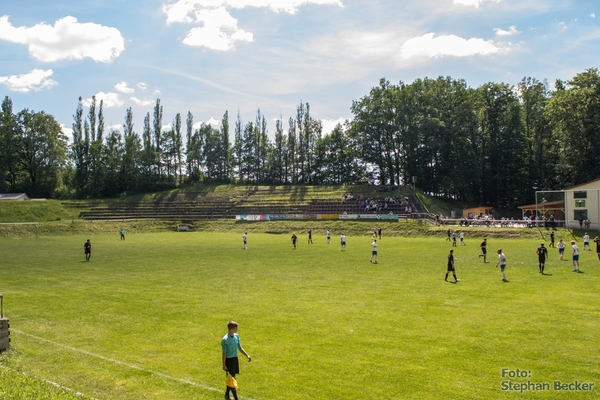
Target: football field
x=144, y=317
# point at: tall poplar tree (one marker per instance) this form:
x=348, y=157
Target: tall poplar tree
x=10, y=147
x=157, y=131
x=189, y=131
x=130, y=169
x=80, y=152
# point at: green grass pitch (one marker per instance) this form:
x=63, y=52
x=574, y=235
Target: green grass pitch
x=144, y=318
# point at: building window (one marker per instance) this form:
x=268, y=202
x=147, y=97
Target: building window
x=580, y=214
x=579, y=203
x=580, y=195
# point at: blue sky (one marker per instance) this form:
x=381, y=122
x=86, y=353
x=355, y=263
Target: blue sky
x=213, y=56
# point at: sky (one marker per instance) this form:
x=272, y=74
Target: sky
x=241, y=56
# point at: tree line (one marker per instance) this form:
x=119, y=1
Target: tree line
x=495, y=145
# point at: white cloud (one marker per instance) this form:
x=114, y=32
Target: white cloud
x=184, y=10
x=66, y=40
x=219, y=30
x=351, y=55
x=142, y=85
x=109, y=100
x=143, y=103
x=593, y=15
x=473, y=3
x=124, y=88
x=511, y=31
x=116, y=127
x=67, y=131
x=35, y=80
x=213, y=122
x=330, y=124
x=447, y=45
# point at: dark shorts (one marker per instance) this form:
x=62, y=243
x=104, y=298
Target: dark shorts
x=483, y=250
x=450, y=268
x=233, y=365
x=561, y=250
x=576, y=257
x=542, y=259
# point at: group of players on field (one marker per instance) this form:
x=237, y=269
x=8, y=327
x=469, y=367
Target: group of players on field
x=541, y=251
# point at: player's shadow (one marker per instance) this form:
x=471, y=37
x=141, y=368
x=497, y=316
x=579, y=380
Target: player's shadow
x=545, y=274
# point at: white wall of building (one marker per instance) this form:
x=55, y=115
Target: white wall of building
x=583, y=200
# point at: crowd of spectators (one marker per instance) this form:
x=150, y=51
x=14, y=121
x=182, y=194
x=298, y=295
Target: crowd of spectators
x=505, y=222
x=374, y=205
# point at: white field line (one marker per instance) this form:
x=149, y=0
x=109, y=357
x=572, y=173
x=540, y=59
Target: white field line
x=47, y=381
x=122, y=363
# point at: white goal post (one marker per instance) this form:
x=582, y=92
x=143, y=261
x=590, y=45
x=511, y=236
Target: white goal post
x=20, y=229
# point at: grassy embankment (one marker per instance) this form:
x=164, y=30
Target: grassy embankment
x=62, y=218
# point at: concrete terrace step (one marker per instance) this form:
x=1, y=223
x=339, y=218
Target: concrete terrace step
x=230, y=201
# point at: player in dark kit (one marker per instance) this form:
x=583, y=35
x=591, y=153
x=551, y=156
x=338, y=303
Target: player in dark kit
x=542, y=253
x=294, y=239
x=87, y=249
x=483, y=246
x=451, y=267
x=552, y=239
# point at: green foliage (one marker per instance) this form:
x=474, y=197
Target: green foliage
x=501, y=153
x=574, y=113
x=32, y=151
x=496, y=144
